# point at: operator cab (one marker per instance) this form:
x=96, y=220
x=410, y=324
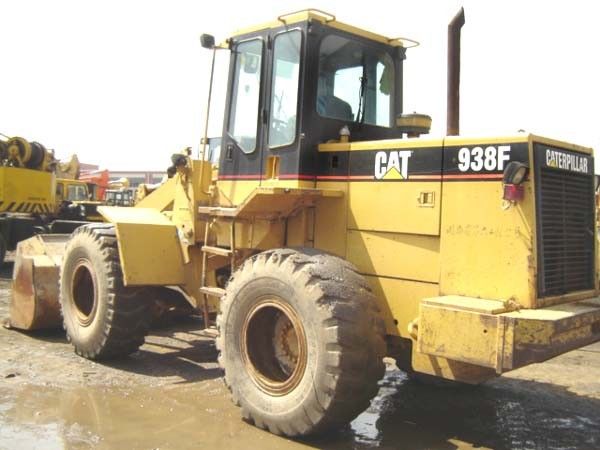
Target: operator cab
x=296, y=83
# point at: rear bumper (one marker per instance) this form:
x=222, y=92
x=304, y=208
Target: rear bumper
x=548, y=332
x=482, y=333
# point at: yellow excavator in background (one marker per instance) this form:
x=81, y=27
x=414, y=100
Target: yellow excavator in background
x=334, y=233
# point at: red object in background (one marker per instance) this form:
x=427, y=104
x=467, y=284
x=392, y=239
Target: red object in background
x=98, y=177
x=513, y=192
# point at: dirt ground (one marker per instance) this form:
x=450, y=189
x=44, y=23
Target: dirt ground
x=170, y=395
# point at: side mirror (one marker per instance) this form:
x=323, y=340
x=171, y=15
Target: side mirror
x=207, y=41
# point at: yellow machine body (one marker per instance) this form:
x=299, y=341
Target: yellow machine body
x=27, y=191
x=431, y=251
x=454, y=266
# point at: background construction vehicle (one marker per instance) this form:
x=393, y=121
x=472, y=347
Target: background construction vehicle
x=97, y=182
x=329, y=239
x=121, y=197
x=119, y=193
x=38, y=193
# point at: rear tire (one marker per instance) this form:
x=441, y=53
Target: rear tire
x=301, y=341
x=2, y=250
x=103, y=318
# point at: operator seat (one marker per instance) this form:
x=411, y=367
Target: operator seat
x=334, y=107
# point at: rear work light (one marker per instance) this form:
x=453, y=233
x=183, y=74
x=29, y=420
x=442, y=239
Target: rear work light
x=514, y=174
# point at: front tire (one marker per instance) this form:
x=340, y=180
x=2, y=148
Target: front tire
x=301, y=341
x=3, y=248
x=102, y=317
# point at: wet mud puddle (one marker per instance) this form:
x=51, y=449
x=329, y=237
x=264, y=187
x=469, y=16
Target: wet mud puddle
x=200, y=415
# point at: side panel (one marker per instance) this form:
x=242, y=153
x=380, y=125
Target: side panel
x=399, y=301
x=396, y=190
x=487, y=248
x=149, y=248
x=27, y=191
x=406, y=256
x=487, y=251
x=331, y=218
x=394, y=207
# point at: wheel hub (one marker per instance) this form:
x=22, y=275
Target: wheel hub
x=274, y=346
x=285, y=342
x=83, y=293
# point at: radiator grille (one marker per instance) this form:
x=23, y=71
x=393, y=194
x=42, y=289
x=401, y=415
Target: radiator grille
x=565, y=231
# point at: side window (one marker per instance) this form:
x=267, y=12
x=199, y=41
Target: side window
x=284, y=90
x=59, y=191
x=243, y=117
x=356, y=82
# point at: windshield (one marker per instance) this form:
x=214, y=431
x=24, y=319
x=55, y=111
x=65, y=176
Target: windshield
x=76, y=193
x=356, y=82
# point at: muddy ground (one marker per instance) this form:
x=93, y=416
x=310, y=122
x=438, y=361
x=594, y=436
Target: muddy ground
x=170, y=395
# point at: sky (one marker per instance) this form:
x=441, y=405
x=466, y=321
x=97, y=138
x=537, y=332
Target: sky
x=123, y=84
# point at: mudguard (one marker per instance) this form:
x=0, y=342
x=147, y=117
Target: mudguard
x=149, y=247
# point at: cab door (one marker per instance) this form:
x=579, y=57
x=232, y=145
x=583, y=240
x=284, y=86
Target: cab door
x=240, y=166
x=281, y=155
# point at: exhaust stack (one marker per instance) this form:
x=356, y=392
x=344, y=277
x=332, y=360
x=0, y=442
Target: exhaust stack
x=453, y=93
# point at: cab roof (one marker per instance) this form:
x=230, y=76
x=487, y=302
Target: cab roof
x=329, y=20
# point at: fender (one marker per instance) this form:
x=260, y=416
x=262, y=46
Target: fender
x=149, y=246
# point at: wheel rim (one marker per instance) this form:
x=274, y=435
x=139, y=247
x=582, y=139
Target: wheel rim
x=84, y=293
x=274, y=346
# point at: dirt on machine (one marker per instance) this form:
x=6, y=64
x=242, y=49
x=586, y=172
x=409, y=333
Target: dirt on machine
x=333, y=231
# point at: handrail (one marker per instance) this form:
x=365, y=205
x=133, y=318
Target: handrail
x=405, y=39
x=323, y=13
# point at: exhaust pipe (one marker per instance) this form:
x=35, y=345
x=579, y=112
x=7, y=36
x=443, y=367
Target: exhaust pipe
x=453, y=93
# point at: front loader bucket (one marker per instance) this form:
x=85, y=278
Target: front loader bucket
x=34, y=299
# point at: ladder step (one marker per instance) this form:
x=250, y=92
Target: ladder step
x=217, y=250
x=217, y=211
x=214, y=291
x=211, y=332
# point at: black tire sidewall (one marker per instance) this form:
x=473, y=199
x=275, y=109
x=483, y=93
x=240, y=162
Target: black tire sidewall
x=3, y=248
x=84, y=248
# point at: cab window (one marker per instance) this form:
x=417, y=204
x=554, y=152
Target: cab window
x=355, y=82
x=284, y=88
x=76, y=193
x=245, y=94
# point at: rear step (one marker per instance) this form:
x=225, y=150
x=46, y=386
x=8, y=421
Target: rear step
x=217, y=250
x=210, y=332
x=213, y=291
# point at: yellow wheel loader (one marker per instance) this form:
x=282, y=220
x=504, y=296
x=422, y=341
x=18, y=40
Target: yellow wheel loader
x=333, y=233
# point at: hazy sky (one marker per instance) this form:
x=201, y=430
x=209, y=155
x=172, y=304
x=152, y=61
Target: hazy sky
x=123, y=83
